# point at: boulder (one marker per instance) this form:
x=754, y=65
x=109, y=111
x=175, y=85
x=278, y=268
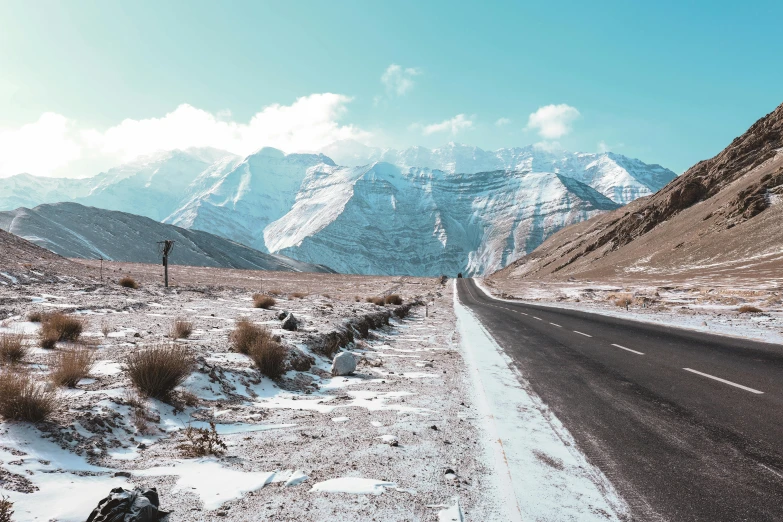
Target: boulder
x=290, y=323
x=299, y=360
x=282, y=315
x=344, y=364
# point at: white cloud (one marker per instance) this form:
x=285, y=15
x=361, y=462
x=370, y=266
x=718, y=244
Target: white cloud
x=39, y=147
x=602, y=146
x=553, y=121
x=454, y=125
x=502, y=121
x=397, y=80
x=51, y=143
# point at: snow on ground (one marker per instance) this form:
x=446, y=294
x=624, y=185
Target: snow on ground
x=306, y=447
x=541, y=474
x=704, y=308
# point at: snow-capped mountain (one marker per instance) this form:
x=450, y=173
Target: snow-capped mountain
x=386, y=219
x=238, y=199
x=74, y=230
x=420, y=211
x=617, y=177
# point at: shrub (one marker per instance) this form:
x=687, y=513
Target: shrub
x=181, y=328
x=275, y=292
x=105, y=328
x=376, y=300
x=128, y=282
x=263, y=301
x=748, y=309
x=21, y=398
x=140, y=414
x=393, y=299
x=298, y=295
x=244, y=335
x=157, y=370
x=201, y=442
x=60, y=327
x=624, y=300
x=72, y=365
x=268, y=355
x=12, y=347
x=36, y=316
x=6, y=509
x=357, y=298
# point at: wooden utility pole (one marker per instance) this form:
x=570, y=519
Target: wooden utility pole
x=165, y=247
x=101, y=269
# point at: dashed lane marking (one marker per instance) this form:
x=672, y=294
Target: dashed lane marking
x=724, y=381
x=628, y=349
x=580, y=333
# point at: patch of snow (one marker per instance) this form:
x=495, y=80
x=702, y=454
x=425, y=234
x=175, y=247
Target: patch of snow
x=356, y=485
x=207, y=478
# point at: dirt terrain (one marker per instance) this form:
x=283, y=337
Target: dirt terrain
x=721, y=218
x=398, y=440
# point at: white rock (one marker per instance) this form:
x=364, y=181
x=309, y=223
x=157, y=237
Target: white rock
x=344, y=364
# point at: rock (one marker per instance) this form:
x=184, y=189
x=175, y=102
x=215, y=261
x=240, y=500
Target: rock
x=299, y=360
x=282, y=315
x=428, y=365
x=344, y=364
x=137, y=334
x=125, y=474
x=141, y=446
x=290, y=323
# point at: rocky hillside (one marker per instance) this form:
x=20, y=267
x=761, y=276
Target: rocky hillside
x=722, y=216
x=384, y=219
x=74, y=230
x=21, y=262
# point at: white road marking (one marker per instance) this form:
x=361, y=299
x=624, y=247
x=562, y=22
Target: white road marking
x=724, y=381
x=580, y=333
x=628, y=349
x=554, y=324
x=771, y=470
x=534, y=317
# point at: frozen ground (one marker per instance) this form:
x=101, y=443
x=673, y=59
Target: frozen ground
x=399, y=440
x=704, y=306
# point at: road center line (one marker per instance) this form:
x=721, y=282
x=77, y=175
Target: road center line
x=724, y=381
x=534, y=317
x=628, y=349
x=554, y=324
x=580, y=333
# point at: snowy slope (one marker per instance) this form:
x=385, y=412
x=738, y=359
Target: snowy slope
x=74, y=230
x=617, y=177
x=385, y=219
x=239, y=199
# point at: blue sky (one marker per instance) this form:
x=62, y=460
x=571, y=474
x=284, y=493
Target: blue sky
x=667, y=82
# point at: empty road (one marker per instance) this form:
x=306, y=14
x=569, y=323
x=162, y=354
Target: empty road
x=687, y=426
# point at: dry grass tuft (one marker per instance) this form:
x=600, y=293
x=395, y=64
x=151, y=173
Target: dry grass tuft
x=623, y=300
x=263, y=301
x=105, y=328
x=60, y=327
x=298, y=295
x=181, y=328
x=276, y=292
x=12, y=347
x=268, y=355
x=393, y=299
x=128, y=282
x=357, y=298
x=24, y=399
x=157, y=370
x=71, y=365
x=6, y=509
x=201, y=442
x=257, y=342
x=244, y=335
x=36, y=316
x=748, y=309
x=380, y=301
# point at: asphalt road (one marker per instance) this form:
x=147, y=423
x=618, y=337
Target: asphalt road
x=687, y=426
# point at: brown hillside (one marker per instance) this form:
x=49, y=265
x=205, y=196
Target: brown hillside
x=722, y=217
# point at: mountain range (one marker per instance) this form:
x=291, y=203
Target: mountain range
x=75, y=230
x=471, y=210
x=722, y=218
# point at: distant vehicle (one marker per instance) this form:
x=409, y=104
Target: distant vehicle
x=459, y=275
